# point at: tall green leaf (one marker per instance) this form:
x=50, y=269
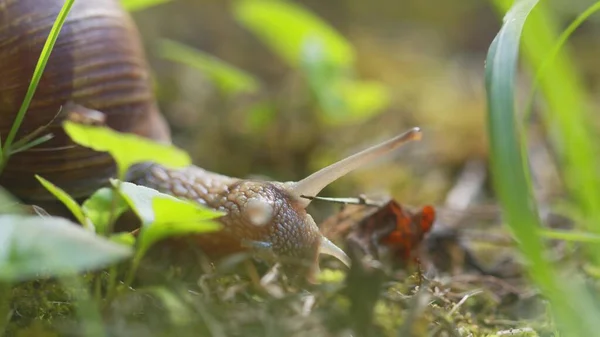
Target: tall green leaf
x=286, y=27
x=102, y=207
x=510, y=174
x=138, y=5
x=227, y=78
x=66, y=199
x=567, y=116
x=9, y=204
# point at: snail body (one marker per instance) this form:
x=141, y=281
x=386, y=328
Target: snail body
x=98, y=63
x=266, y=217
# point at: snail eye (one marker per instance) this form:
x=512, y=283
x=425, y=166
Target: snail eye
x=259, y=211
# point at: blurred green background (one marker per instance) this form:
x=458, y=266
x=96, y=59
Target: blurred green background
x=413, y=63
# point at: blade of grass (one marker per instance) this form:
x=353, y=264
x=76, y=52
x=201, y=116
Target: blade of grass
x=37, y=75
x=87, y=310
x=550, y=58
x=138, y=5
x=5, y=298
x=31, y=144
x=570, y=302
x=23, y=142
x=511, y=181
x=566, y=116
x=567, y=235
x=229, y=79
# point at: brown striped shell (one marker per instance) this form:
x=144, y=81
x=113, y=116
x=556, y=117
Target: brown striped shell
x=98, y=62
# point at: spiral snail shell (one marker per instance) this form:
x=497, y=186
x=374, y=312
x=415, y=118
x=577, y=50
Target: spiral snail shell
x=97, y=62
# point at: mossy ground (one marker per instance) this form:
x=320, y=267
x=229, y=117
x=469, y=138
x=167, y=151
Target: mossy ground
x=362, y=301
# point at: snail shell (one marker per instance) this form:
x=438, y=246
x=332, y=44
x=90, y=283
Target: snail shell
x=98, y=62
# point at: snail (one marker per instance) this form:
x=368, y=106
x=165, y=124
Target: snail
x=98, y=63
x=266, y=217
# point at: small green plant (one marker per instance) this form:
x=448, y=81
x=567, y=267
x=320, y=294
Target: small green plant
x=35, y=247
x=70, y=251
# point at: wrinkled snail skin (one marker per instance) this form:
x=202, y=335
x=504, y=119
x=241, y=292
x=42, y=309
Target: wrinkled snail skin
x=97, y=62
x=259, y=216
x=268, y=218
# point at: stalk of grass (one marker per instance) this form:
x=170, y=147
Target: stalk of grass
x=566, y=115
x=87, y=309
x=5, y=151
x=558, y=46
x=5, y=296
x=511, y=180
x=570, y=303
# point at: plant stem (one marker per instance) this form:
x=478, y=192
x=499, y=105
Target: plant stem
x=113, y=208
x=112, y=281
x=87, y=309
x=37, y=75
x=133, y=269
x=5, y=295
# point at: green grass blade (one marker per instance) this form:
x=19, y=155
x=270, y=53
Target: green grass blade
x=229, y=79
x=37, y=74
x=87, y=310
x=567, y=235
x=138, y=5
x=570, y=303
x=286, y=27
x=511, y=181
x=66, y=200
x=566, y=116
x=31, y=144
x=560, y=44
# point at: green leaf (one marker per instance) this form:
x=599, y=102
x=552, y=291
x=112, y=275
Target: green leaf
x=163, y=216
x=567, y=117
x=9, y=204
x=99, y=206
x=174, y=217
x=66, y=199
x=285, y=27
x=512, y=184
x=569, y=235
x=138, y=5
x=229, y=79
x=139, y=198
x=167, y=211
x=31, y=247
x=126, y=149
x=511, y=180
x=176, y=308
x=31, y=144
x=260, y=116
x=364, y=100
x=123, y=238
x=343, y=99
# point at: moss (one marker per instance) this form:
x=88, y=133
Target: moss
x=36, y=306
